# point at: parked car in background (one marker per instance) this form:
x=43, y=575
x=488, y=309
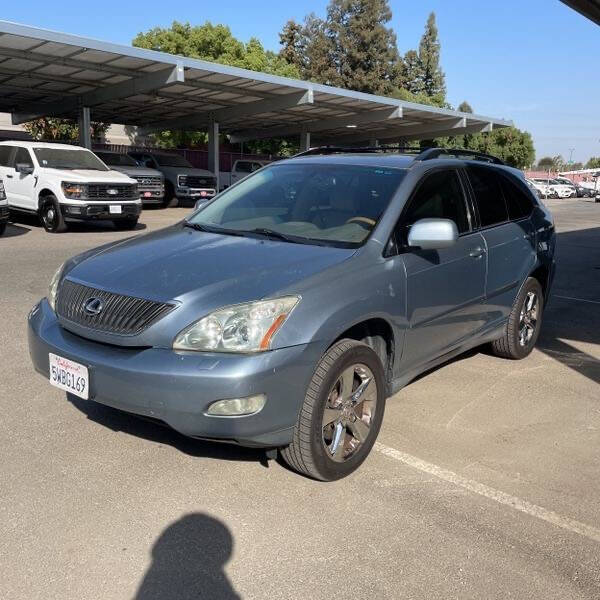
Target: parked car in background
x=241, y=168
x=534, y=187
x=61, y=183
x=4, y=211
x=151, y=183
x=566, y=181
x=285, y=312
x=563, y=190
x=544, y=186
x=183, y=182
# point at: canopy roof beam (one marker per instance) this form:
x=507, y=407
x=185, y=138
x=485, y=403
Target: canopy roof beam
x=125, y=89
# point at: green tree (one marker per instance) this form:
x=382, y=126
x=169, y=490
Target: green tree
x=352, y=48
x=63, y=130
x=545, y=163
x=429, y=58
x=593, y=163
x=412, y=73
x=465, y=107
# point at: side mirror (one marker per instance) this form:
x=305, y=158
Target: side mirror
x=433, y=234
x=24, y=168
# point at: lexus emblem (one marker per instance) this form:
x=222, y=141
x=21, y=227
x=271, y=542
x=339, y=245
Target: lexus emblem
x=93, y=306
x=112, y=192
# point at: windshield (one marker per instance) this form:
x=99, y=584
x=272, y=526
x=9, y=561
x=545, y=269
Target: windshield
x=330, y=204
x=117, y=160
x=68, y=158
x=171, y=160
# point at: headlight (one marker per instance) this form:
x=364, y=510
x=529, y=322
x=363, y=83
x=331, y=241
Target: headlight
x=53, y=287
x=75, y=191
x=241, y=328
x=182, y=180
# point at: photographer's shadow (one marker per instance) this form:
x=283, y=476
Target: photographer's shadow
x=188, y=561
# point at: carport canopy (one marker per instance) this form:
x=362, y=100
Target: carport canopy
x=47, y=73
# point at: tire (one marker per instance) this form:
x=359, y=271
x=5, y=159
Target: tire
x=3, y=228
x=314, y=451
x=125, y=224
x=515, y=343
x=50, y=215
x=170, y=200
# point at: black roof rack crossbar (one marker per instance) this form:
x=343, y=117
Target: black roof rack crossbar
x=432, y=153
x=324, y=150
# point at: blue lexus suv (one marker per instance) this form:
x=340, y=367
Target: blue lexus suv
x=285, y=311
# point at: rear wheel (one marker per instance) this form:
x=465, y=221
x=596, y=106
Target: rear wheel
x=50, y=215
x=341, y=414
x=524, y=323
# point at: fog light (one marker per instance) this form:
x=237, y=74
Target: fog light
x=74, y=210
x=237, y=407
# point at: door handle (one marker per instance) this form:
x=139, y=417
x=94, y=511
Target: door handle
x=9, y=176
x=477, y=252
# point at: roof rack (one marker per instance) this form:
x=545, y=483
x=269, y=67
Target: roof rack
x=459, y=153
x=420, y=155
x=324, y=150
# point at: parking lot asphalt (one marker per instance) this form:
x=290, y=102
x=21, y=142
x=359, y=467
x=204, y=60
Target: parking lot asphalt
x=485, y=482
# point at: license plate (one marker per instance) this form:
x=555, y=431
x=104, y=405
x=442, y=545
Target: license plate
x=147, y=194
x=69, y=376
x=114, y=209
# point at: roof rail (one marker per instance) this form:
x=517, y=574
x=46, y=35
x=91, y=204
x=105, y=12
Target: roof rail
x=432, y=153
x=324, y=150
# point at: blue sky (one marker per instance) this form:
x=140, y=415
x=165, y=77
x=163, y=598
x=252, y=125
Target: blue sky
x=533, y=61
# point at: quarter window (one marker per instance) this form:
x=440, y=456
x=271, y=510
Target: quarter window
x=488, y=196
x=440, y=196
x=517, y=200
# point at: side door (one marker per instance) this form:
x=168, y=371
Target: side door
x=444, y=288
x=6, y=170
x=504, y=209
x=21, y=186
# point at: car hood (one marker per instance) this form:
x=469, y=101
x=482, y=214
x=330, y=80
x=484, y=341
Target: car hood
x=89, y=175
x=204, y=270
x=137, y=171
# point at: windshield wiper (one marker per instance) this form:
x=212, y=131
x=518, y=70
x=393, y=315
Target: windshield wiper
x=271, y=233
x=209, y=229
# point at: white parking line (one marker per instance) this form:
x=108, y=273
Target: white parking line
x=576, y=299
x=483, y=490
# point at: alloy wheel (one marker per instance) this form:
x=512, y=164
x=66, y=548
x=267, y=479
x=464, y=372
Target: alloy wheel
x=528, y=318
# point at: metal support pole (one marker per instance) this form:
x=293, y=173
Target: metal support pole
x=213, y=149
x=304, y=141
x=85, y=127
x=373, y=143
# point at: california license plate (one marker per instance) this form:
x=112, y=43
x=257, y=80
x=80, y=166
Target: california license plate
x=69, y=376
x=114, y=209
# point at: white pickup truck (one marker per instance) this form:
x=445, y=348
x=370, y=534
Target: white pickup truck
x=241, y=168
x=3, y=209
x=61, y=183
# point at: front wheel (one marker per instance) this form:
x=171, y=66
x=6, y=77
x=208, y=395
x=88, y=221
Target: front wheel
x=2, y=228
x=125, y=224
x=524, y=323
x=341, y=414
x=51, y=217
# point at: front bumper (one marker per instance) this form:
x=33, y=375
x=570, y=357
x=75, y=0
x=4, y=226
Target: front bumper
x=100, y=211
x=178, y=387
x=195, y=193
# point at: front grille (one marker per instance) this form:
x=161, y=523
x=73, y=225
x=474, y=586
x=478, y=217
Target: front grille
x=123, y=315
x=108, y=191
x=195, y=181
x=149, y=184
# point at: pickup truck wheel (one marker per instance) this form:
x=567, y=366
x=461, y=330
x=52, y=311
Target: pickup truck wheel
x=125, y=224
x=341, y=414
x=524, y=323
x=50, y=215
x=2, y=229
x=170, y=200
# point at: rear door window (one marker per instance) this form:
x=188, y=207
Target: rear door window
x=244, y=166
x=488, y=195
x=5, y=153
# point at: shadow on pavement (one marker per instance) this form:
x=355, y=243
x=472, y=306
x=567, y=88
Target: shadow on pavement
x=158, y=432
x=188, y=561
x=572, y=314
x=14, y=231
x=77, y=226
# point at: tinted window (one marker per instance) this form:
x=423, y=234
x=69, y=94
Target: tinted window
x=23, y=157
x=68, y=158
x=440, y=196
x=518, y=200
x=5, y=152
x=243, y=166
x=112, y=158
x=171, y=160
x=488, y=195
